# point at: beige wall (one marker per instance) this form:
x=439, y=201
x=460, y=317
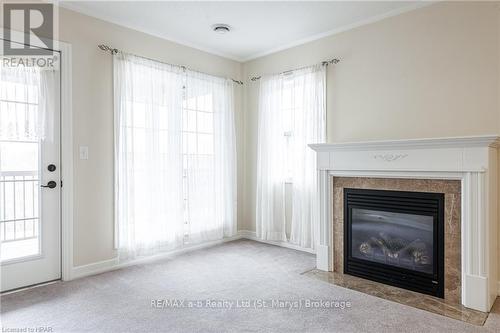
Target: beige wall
x=432, y=72
x=93, y=119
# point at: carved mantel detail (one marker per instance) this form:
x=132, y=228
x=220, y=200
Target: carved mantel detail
x=389, y=157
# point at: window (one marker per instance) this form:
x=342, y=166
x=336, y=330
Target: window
x=197, y=152
x=175, y=164
x=292, y=104
x=291, y=116
x=19, y=165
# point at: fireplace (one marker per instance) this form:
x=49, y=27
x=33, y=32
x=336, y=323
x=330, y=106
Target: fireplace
x=395, y=237
x=465, y=169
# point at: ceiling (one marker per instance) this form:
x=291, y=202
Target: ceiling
x=258, y=28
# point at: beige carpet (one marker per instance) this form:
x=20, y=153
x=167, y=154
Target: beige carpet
x=247, y=272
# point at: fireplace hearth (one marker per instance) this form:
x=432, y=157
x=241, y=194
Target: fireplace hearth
x=395, y=237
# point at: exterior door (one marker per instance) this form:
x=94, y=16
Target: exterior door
x=30, y=195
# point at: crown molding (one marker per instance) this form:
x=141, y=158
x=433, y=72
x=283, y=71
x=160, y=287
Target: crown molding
x=73, y=6
x=341, y=29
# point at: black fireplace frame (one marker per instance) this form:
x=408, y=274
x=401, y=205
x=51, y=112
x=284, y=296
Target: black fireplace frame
x=419, y=203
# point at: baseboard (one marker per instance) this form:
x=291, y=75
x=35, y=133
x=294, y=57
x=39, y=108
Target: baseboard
x=177, y=252
x=247, y=234
x=114, y=263
x=94, y=268
x=476, y=295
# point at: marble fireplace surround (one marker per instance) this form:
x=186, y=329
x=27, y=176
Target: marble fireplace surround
x=470, y=161
x=451, y=190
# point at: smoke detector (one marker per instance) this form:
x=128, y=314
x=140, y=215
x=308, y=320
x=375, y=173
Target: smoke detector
x=221, y=28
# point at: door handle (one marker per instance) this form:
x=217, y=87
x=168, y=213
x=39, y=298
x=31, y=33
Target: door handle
x=51, y=184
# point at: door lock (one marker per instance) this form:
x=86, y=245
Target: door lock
x=51, y=184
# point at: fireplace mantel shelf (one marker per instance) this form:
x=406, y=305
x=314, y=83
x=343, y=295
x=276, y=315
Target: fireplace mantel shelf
x=451, y=142
x=472, y=160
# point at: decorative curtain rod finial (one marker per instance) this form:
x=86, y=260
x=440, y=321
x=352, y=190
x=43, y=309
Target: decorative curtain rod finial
x=333, y=61
x=108, y=49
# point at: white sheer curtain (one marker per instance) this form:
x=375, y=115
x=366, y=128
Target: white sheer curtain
x=292, y=114
x=209, y=157
x=175, y=172
x=28, y=97
x=308, y=126
x=271, y=168
x=148, y=149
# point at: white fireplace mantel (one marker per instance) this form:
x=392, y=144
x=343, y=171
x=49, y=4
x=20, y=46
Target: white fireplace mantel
x=472, y=160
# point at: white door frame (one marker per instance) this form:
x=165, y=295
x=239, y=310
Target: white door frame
x=66, y=151
x=66, y=162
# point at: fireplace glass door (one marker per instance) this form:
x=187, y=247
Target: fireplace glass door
x=396, y=238
x=391, y=238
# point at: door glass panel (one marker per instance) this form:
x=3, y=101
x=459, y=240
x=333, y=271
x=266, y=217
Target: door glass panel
x=19, y=167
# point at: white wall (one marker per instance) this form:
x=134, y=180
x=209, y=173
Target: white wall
x=93, y=119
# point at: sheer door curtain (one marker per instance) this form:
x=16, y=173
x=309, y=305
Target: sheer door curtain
x=292, y=114
x=27, y=99
x=174, y=157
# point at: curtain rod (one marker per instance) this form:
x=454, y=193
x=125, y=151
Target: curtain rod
x=113, y=51
x=324, y=63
